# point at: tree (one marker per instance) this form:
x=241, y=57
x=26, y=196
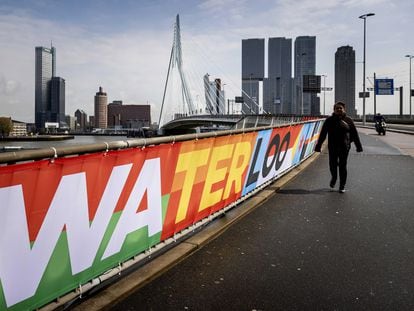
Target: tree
x=6, y=126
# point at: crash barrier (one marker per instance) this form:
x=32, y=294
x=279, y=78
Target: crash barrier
x=66, y=222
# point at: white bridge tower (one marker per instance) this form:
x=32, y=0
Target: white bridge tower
x=176, y=62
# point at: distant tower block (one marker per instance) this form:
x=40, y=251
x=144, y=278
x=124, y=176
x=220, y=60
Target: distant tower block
x=101, y=109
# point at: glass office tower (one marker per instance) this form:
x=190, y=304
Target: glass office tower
x=45, y=69
x=277, y=87
x=253, y=62
x=305, y=64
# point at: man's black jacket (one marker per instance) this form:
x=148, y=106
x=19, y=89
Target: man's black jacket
x=341, y=131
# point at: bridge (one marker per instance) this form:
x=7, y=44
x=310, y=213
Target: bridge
x=76, y=219
x=295, y=245
x=294, y=230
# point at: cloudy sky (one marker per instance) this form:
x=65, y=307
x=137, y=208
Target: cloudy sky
x=124, y=46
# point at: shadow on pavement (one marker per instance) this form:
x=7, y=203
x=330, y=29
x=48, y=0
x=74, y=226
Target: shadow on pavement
x=303, y=191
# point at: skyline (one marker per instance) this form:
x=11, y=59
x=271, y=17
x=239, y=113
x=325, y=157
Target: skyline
x=125, y=49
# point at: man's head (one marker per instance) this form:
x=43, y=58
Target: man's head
x=339, y=108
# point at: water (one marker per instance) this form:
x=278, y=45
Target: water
x=78, y=140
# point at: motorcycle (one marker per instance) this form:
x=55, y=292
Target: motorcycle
x=381, y=127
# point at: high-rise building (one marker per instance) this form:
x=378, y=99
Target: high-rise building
x=57, y=100
x=345, y=78
x=277, y=87
x=101, y=109
x=215, y=102
x=45, y=69
x=253, y=64
x=305, y=64
x=81, y=120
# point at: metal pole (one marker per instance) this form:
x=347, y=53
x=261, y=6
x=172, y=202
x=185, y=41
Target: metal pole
x=301, y=84
x=324, y=90
x=375, y=97
x=363, y=78
x=409, y=89
x=364, y=17
x=250, y=99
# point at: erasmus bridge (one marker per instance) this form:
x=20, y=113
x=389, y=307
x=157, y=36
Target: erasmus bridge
x=179, y=112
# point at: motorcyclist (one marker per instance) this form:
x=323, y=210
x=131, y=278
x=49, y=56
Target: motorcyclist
x=378, y=118
x=379, y=121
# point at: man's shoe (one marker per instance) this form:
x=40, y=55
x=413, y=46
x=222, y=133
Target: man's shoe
x=341, y=189
x=332, y=184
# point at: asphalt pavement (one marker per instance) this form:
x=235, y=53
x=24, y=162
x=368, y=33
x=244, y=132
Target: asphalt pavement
x=306, y=247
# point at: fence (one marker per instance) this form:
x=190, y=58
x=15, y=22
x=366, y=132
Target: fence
x=76, y=215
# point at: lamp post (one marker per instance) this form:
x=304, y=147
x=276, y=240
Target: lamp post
x=301, y=81
x=410, y=57
x=251, y=95
x=364, y=17
x=324, y=90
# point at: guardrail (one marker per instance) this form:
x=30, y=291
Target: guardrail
x=73, y=216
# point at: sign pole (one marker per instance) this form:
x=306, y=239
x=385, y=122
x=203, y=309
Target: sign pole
x=375, y=97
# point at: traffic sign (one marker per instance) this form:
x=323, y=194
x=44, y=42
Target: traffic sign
x=384, y=86
x=361, y=94
x=311, y=84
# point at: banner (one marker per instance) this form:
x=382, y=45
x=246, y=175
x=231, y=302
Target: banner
x=68, y=220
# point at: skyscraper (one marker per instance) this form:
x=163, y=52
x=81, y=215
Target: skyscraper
x=345, y=78
x=277, y=87
x=45, y=69
x=305, y=64
x=81, y=119
x=214, y=96
x=57, y=100
x=253, y=56
x=101, y=109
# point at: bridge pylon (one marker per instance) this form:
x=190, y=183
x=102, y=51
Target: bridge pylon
x=176, y=62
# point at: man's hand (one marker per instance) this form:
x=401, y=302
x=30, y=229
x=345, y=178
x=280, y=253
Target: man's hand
x=318, y=148
x=359, y=149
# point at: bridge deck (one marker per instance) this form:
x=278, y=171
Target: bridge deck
x=307, y=248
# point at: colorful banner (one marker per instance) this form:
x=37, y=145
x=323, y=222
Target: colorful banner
x=67, y=221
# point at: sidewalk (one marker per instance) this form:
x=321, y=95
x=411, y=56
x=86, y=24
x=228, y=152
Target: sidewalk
x=307, y=248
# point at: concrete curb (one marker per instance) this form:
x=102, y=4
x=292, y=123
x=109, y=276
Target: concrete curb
x=162, y=263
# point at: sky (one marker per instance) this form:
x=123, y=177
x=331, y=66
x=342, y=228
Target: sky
x=124, y=46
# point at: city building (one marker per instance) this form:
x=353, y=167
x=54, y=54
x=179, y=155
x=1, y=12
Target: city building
x=45, y=69
x=253, y=65
x=49, y=90
x=19, y=129
x=101, y=109
x=81, y=120
x=277, y=87
x=57, y=102
x=128, y=116
x=91, y=123
x=305, y=64
x=70, y=122
x=215, y=101
x=345, y=78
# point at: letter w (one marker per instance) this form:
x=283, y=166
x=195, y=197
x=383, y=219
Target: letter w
x=22, y=267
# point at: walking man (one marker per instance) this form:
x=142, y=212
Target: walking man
x=341, y=132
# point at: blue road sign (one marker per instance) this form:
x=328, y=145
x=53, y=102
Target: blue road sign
x=384, y=86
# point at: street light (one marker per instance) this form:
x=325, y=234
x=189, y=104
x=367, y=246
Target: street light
x=364, y=17
x=324, y=89
x=301, y=81
x=410, y=57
